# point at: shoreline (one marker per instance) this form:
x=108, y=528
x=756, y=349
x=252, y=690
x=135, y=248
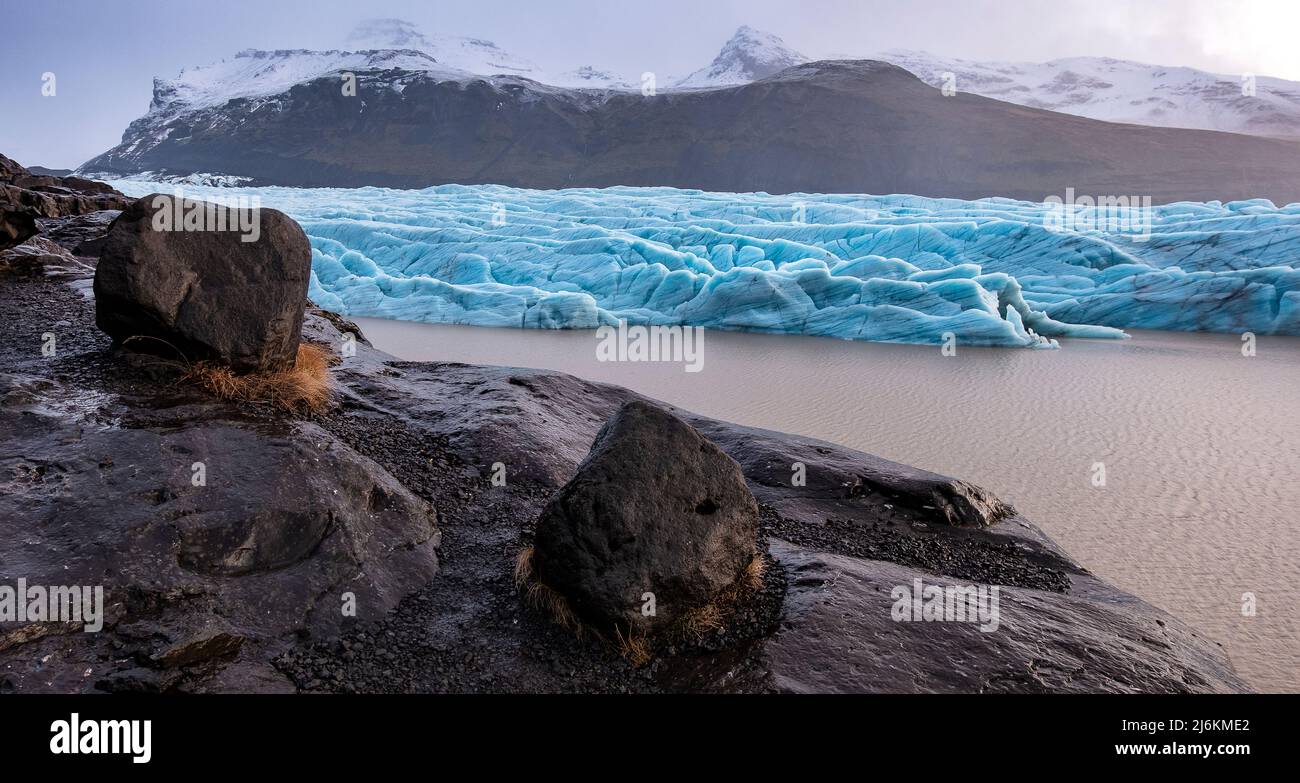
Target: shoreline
x=405, y=436
x=1177, y=496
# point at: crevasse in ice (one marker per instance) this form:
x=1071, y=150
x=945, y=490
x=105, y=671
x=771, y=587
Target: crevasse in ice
x=891, y=268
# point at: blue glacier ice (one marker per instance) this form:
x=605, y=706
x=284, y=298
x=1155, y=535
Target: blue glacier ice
x=892, y=268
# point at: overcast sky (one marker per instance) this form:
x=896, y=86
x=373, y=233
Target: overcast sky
x=105, y=55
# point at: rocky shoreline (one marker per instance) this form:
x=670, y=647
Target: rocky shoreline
x=387, y=496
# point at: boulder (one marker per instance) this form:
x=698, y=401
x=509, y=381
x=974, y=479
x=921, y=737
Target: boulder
x=206, y=292
x=655, y=508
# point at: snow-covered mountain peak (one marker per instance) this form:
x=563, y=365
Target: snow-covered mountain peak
x=749, y=55
x=474, y=55
x=255, y=73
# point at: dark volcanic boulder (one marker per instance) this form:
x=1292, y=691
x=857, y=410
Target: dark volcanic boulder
x=655, y=508
x=208, y=293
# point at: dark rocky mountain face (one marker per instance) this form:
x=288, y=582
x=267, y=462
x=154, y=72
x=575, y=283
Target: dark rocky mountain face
x=832, y=126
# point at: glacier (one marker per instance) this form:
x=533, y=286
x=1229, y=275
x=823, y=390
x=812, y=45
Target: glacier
x=897, y=268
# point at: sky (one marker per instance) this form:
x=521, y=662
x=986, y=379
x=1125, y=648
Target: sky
x=105, y=56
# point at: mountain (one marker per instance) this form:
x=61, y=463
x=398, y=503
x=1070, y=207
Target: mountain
x=830, y=126
x=254, y=75
x=748, y=56
x=1104, y=88
x=41, y=171
x=473, y=55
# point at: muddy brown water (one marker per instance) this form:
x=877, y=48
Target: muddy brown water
x=1199, y=510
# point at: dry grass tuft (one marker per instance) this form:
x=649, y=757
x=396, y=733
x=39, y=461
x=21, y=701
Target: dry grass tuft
x=700, y=621
x=637, y=649
x=713, y=615
x=524, y=568
x=303, y=387
x=752, y=579
x=541, y=596
x=632, y=647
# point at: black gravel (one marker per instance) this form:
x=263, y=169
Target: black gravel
x=469, y=630
x=961, y=554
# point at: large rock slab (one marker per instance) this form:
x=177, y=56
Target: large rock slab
x=84, y=235
x=27, y=198
x=655, y=508
x=209, y=294
x=214, y=537
x=839, y=635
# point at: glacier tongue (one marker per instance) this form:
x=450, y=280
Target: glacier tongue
x=887, y=268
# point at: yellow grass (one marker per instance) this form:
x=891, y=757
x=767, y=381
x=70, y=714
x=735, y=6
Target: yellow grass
x=634, y=648
x=637, y=649
x=700, y=621
x=714, y=614
x=303, y=387
x=752, y=579
x=541, y=596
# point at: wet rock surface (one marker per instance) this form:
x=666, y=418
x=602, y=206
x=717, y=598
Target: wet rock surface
x=238, y=585
x=222, y=535
x=1042, y=643
x=232, y=291
x=26, y=198
x=655, y=509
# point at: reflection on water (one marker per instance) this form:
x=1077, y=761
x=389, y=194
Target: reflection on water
x=1201, y=445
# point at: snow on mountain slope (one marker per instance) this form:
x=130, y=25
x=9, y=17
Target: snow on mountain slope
x=1101, y=88
x=474, y=55
x=255, y=73
x=749, y=55
x=1104, y=88
x=377, y=44
x=592, y=77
